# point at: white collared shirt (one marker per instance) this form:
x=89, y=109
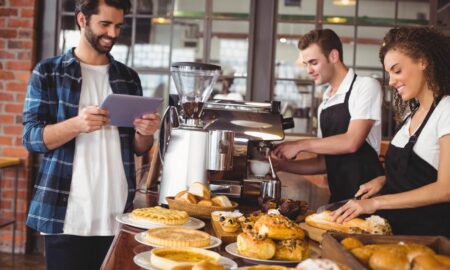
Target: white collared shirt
x=364, y=103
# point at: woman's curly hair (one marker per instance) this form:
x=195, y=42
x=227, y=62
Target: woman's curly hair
x=421, y=43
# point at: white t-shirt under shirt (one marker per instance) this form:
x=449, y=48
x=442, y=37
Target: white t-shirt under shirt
x=427, y=145
x=364, y=103
x=99, y=188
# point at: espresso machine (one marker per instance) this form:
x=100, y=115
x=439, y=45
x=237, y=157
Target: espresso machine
x=211, y=141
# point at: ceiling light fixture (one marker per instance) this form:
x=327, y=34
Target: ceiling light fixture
x=344, y=2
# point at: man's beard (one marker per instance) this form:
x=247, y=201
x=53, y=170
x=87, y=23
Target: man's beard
x=94, y=40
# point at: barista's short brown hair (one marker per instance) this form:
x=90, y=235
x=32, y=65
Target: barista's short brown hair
x=90, y=7
x=326, y=39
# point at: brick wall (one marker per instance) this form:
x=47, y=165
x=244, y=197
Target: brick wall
x=17, y=50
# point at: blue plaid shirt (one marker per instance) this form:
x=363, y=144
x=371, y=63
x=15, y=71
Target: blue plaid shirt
x=53, y=96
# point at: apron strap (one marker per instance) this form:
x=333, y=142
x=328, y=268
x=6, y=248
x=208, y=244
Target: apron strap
x=415, y=136
x=350, y=89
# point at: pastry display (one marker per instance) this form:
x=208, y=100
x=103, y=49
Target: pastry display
x=278, y=227
x=160, y=215
x=399, y=256
x=177, y=237
x=169, y=258
x=291, y=250
x=372, y=225
x=255, y=246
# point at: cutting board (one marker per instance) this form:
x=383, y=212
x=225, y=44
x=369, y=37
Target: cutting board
x=226, y=237
x=313, y=232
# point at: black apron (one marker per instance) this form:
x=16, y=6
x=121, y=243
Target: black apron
x=347, y=172
x=405, y=171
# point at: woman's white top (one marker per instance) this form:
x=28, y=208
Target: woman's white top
x=364, y=103
x=427, y=145
x=99, y=186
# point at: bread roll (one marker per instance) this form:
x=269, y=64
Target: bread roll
x=445, y=260
x=253, y=246
x=278, y=227
x=372, y=225
x=425, y=262
x=413, y=250
x=222, y=201
x=205, y=203
x=350, y=243
x=187, y=197
x=200, y=190
x=318, y=264
x=389, y=259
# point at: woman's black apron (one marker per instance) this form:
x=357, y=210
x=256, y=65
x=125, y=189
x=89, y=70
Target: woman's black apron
x=405, y=171
x=347, y=172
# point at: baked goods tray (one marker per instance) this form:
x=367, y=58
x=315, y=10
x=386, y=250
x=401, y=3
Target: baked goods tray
x=198, y=211
x=332, y=248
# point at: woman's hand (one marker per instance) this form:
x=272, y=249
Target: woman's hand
x=371, y=188
x=354, y=208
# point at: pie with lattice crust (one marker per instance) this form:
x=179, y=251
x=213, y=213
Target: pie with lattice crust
x=160, y=215
x=177, y=237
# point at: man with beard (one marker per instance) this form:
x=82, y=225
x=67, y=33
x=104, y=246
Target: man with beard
x=87, y=172
x=349, y=132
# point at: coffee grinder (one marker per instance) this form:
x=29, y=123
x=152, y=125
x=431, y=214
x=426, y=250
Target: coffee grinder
x=184, y=141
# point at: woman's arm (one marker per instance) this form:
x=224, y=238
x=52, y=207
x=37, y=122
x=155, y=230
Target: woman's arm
x=436, y=192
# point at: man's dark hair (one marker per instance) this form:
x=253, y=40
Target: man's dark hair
x=90, y=7
x=326, y=39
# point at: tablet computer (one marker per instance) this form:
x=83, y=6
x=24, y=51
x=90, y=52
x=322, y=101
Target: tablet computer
x=123, y=109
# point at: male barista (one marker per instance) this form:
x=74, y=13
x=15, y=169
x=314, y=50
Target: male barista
x=349, y=130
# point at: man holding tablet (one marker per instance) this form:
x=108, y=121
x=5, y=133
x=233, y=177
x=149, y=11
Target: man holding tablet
x=87, y=174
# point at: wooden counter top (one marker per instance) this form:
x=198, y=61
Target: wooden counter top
x=124, y=247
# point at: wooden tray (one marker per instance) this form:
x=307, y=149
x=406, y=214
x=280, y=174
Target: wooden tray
x=226, y=237
x=313, y=232
x=332, y=249
x=198, y=211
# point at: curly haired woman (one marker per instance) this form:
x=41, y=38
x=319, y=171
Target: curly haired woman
x=415, y=194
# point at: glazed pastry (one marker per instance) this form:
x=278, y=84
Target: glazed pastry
x=373, y=224
x=278, y=227
x=254, y=246
x=229, y=224
x=291, y=250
